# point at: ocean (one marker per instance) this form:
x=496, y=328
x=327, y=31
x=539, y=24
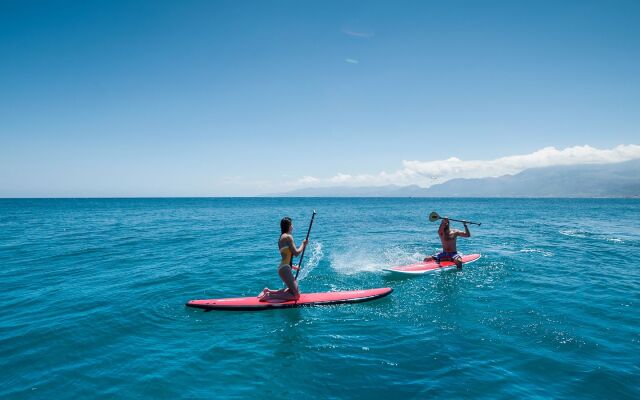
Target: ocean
x=93, y=300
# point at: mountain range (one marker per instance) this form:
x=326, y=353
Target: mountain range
x=586, y=180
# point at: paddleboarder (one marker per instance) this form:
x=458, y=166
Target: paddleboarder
x=288, y=250
x=448, y=238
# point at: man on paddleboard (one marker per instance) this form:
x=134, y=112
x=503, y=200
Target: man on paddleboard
x=448, y=238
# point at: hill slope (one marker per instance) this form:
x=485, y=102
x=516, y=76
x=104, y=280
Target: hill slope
x=589, y=180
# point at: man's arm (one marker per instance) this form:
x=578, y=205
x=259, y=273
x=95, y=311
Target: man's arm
x=464, y=234
x=442, y=225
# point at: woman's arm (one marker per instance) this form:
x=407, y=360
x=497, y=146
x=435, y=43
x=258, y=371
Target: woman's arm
x=292, y=245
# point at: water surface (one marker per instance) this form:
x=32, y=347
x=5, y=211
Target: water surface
x=93, y=294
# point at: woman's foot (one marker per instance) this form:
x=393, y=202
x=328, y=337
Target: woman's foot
x=263, y=293
x=264, y=297
x=278, y=296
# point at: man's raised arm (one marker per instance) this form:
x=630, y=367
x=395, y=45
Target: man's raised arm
x=466, y=232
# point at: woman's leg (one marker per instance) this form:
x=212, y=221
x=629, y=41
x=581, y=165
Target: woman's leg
x=290, y=293
x=286, y=274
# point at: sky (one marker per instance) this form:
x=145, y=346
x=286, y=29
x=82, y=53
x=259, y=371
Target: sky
x=241, y=98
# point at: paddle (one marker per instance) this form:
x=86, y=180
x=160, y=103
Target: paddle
x=305, y=248
x=434, y=217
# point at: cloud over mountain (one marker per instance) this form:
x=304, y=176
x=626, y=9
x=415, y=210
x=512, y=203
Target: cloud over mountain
x=427, y=173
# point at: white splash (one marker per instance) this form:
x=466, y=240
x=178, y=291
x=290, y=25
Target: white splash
x=312, y=261
x=357, y=260
x=540, y=251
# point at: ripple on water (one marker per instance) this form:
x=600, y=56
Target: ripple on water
x=94, y=291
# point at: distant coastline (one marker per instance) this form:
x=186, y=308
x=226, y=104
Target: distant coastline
x=618, y=180
x=589, y=181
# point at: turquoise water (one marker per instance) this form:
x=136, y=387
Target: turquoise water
x=93, y=293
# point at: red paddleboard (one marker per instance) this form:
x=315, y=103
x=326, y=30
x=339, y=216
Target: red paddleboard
x=306, y=299
x=430, y=266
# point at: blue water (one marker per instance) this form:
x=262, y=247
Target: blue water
x=93, y=293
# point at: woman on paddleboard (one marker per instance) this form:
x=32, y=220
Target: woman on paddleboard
x=288, y=250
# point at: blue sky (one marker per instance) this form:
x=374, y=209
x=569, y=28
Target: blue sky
x=110, y=98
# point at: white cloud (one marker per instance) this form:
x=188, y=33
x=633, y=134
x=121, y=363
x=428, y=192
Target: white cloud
x=426, y=173
x=351, y=61
x=359, y=34
x=546, y=157
x=305, y=180
x=341, y=178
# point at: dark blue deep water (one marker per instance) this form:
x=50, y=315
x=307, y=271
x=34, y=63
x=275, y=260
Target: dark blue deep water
x=93, y=291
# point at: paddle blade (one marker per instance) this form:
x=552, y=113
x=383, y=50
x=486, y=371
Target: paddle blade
x=434, y=216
